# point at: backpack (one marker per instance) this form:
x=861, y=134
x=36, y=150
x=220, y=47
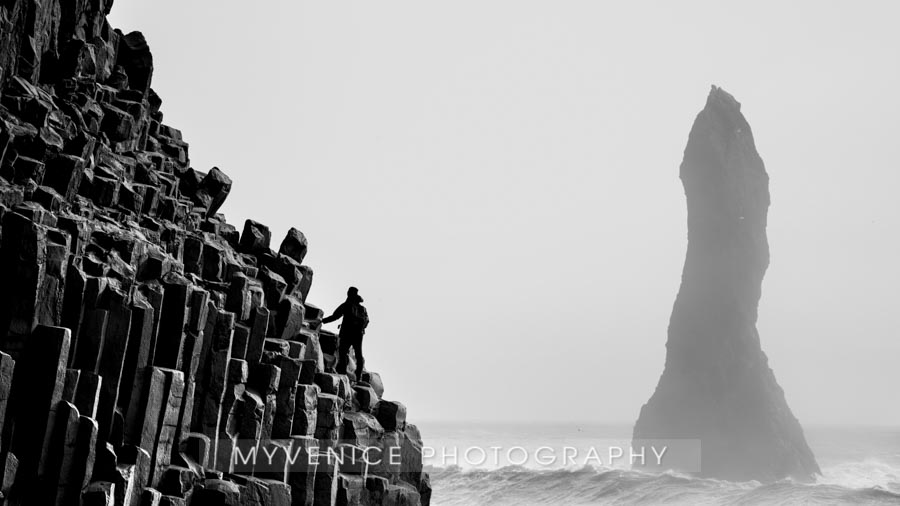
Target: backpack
x=356, y=317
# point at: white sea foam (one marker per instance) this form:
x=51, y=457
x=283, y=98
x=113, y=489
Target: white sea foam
x=869, y=473
x=859, y=466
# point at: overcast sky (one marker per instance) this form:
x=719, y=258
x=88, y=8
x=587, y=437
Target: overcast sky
x=500, y=180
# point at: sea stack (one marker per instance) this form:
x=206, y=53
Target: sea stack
x=717, y=386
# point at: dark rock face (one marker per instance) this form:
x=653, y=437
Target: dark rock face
x=144, y=340
x=717, y=385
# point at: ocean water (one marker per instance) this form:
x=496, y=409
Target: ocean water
x=579, y=464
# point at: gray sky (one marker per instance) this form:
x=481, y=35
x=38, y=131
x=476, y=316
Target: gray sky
x=500, y=180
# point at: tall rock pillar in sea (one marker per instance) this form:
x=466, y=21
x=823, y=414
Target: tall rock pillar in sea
x=717, y=385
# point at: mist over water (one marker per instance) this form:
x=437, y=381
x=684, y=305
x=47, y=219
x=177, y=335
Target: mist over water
x=531, y=165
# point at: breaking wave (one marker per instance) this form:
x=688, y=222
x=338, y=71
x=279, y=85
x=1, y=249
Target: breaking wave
x=867, y=482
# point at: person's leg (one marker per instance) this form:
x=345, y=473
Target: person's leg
x=360, y=361
x=343, y=354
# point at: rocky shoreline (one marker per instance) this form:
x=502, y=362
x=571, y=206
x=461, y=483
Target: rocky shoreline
x=147, y=342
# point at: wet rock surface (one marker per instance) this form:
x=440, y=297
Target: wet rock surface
x=145, y=340
x=717, y=386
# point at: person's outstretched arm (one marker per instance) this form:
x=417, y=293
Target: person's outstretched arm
x=339, y=312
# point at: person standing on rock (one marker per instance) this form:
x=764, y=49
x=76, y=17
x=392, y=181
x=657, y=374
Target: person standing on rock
x=353, y=327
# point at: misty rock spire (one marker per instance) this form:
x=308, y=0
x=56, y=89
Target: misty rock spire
x=717, y=385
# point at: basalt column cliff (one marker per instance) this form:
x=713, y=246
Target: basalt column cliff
x=152, y=353
x=717, y=385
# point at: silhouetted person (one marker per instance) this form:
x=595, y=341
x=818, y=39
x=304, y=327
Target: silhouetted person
x=353, y=328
